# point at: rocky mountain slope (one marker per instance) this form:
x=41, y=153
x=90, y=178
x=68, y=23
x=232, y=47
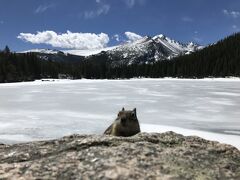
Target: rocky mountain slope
x=144, y=156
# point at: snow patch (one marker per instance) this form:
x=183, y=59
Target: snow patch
x=88, y=52
x=222, y=138
x=44, y=51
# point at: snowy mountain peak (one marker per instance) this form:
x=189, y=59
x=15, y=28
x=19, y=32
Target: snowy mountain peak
x=191, y=44
x=149, y=49
x=160, y=36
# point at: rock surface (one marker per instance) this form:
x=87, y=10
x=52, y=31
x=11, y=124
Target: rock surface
x=144, y=156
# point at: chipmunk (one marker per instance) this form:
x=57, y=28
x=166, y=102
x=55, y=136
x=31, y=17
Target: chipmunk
x=126, y=124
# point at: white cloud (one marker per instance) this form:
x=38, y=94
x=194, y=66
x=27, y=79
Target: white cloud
x=102, y=10
x=132, y=36
x=67, y=40
x=116, y=37
x=187, y=19
x=225, y=12
x=235, y=28
x=43, y=8
x=233, y=14
x=198, y=39
x=132, y=3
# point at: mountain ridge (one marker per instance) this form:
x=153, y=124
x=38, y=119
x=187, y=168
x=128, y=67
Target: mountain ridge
x=145, y=50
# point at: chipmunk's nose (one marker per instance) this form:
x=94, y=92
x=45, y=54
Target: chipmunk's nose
x=123, y=121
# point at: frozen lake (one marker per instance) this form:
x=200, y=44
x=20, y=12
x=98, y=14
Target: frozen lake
x=45, y=110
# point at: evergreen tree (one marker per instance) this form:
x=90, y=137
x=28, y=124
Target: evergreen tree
x=6, y=50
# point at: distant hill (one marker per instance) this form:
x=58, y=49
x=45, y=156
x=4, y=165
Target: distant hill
x=53, y=55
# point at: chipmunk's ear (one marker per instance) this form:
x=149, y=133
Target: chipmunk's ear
x=135, y=111
x=123, y=109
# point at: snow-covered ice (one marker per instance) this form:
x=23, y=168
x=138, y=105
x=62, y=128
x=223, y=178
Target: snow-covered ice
x=223, y=138
x=51, y=109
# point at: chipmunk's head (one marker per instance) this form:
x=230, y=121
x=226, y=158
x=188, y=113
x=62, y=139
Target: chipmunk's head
x=128, y=117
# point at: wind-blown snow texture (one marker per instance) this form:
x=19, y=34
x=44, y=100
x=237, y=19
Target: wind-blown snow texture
x=44, y=110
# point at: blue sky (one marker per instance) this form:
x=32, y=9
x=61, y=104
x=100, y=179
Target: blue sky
x=86, y=24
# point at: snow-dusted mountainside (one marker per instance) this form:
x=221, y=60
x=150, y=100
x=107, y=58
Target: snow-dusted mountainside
x=42, y=51
x=88, y=52
x=54, y=55
x=145, y=50
x=76, y=52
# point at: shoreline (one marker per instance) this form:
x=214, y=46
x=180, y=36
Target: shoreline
x=62, y=81
x=233, y=140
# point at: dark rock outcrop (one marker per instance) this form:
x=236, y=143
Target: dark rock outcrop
x=144, y=156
